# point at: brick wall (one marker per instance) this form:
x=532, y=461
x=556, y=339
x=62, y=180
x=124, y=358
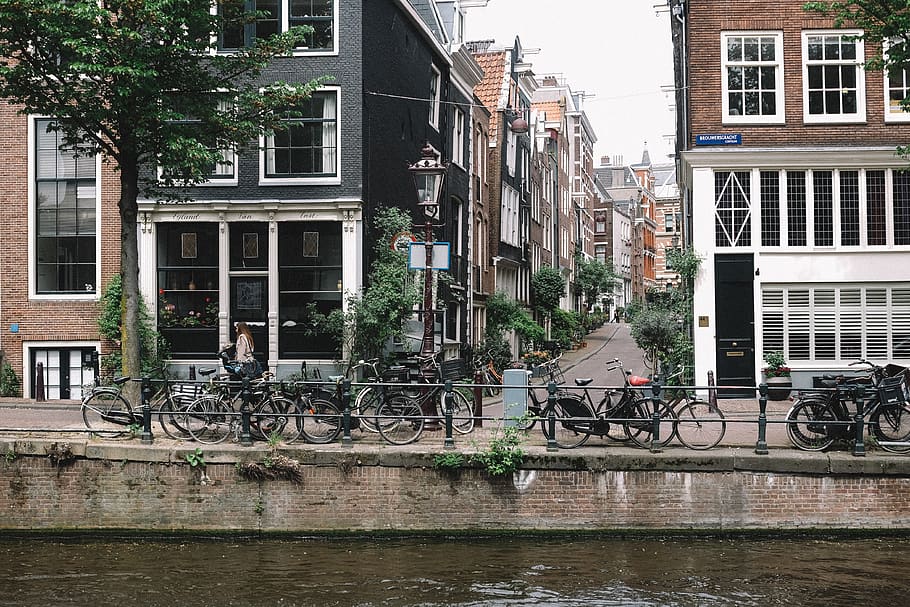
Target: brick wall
x=709, y=17
x=42, y=320
x=337, y=493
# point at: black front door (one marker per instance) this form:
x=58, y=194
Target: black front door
x=734, y=301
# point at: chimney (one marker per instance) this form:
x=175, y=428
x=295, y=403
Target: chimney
x=604, y=161
x=617, y=160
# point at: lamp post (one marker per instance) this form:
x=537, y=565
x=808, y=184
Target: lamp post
x=429, y=176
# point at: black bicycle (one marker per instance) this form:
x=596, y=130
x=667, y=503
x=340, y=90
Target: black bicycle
x=819, y=418
x=577, y=418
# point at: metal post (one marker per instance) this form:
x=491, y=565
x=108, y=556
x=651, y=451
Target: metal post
x=246, y=439
x=345, y=388
x=859, y=447
x=39, y=382
x=146, y=411
x=478, y=399
x=655, y=416
x=551, y=417
x=712, y=391
x=761, y=446
x=449, y=442
x=192, y=373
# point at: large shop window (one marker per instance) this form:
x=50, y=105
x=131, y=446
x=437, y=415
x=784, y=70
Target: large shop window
x=66, y=205
x=188, y=288
x=815, y=208
x=837, y=323
x=276, y=16
x=307, y=146
x=309, y=289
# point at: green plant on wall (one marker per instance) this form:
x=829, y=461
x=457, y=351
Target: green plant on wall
x=153, y=348
x=9, y=381
x=504, y=454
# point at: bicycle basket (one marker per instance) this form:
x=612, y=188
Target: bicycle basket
x=554, y=374
x=891, y=390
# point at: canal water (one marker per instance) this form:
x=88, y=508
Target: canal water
x=589, y=572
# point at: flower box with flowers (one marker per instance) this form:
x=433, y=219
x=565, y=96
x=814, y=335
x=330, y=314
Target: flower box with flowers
x=777, y=376
x=534, y=359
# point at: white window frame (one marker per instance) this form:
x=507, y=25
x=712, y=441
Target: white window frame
x=33, y=225
x=895, y=114
x=458, y=122
x=860, y=115
x=322, y=180
x=778, y=64
x=509, y=224
x=285, y=20
x=435, y=96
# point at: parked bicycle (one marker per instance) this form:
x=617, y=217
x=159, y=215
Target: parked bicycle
x=578, y=418
x=819, y=418
x=400, y=414
x=214, y=416
x=492, y=377
x=107, y=411
x=699, y=424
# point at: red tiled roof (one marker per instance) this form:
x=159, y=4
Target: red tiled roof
x=490, y=88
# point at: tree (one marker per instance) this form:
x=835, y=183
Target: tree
x=594, y=278
x=135, y=81
x=548, y=287
x=389, y=298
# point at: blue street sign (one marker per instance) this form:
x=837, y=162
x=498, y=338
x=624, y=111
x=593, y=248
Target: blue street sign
x=719, y=139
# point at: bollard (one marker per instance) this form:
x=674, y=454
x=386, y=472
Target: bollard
x=859, y=447
x=655, y=416
x=246, y=438
x=192, y=373
x=761, y=445
x=551, y=417
x=39, y=382
x=146, y=436
x=344, y=387
x=449, y=399
x=478, y=399
x=712, y=390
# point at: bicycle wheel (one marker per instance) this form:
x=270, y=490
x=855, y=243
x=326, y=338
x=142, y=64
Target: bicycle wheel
x=367, y=404
x=209, y=419
x=172, y=414
x=400, y=420
x=276, y=419
x=462, y=411
x=700, y=425
x=640, y=423
x=320, y=421
x=891, y=423
x=574, y=422
x=808, y=425
x=106, y=413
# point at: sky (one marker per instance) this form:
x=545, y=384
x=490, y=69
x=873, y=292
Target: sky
x=619, y=51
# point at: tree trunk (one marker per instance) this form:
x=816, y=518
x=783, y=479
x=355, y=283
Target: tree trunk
x=129, y=270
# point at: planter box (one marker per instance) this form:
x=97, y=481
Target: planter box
x=779, y=387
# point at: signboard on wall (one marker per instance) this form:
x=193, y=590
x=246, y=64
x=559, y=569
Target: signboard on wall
x=719, y=139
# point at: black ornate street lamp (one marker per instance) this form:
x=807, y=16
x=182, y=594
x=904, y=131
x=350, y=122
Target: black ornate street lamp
x=429, y=176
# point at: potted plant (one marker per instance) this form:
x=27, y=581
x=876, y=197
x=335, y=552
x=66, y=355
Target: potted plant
x=777, y=376
x=534, y=359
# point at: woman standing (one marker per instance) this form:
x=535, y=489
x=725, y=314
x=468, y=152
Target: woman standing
x=245, y=347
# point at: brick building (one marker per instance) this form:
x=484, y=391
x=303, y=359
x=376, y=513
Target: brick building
x=789, y=180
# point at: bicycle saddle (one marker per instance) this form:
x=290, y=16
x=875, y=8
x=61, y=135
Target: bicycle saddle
x=205, y=371
x=637, y=380
x=121, y=380
x=583, y=381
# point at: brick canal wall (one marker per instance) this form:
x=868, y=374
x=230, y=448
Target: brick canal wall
x=131, y=486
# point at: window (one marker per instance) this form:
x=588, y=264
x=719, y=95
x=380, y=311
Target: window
x=837, y=322
x=669, y=222
x=307, y=148
x=458, y=137
x=732, y=212
x=278, y=16
x=600, y=222
x=509, y=216
x=770, y=208
x=753, y=72
x=600, y=253
x=897, y=88
x=833, y=77
x=66, y=225
x=822, y=182
x=435, y=92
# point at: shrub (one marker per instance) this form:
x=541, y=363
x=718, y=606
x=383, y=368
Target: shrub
x=9, y=382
